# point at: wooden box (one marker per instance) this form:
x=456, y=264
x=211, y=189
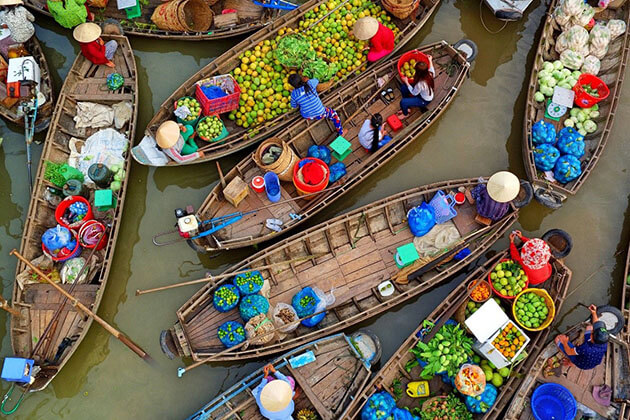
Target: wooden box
x=236, y=191
x=225, y=20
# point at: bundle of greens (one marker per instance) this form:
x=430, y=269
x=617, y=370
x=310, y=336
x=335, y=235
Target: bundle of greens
x=293, y=50
x=450, y=407
x=319, y=69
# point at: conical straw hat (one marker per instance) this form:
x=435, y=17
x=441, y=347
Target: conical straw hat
x=167, y=134
x=10, y=2
x=365, y=28
x=503, y=186
x=276, y=396
x=87, y=32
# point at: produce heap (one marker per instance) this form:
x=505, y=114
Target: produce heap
x=449, y=407
x=445, y=352
x=209, y=128
x=561, y=152
x=508, y=278
x=531, y=310
x=408, y=69
x=509, y=341
x=193, y=106
x=263, y=78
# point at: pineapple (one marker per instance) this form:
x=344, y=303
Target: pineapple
x=306, y=414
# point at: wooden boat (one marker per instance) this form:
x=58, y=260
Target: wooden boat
x=355, y=103
x=44, y=111
x=557, y=286
x=239, y=137
x=625, y=296
x=553, y=193
x=38, y=302
x=325, y=386
x=352, y=253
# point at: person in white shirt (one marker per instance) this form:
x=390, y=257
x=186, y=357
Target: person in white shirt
x=420, y=94
x=372, y=135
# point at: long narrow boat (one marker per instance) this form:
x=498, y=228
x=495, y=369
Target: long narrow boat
x=45, y=110
x=239, y=137
x=613, y=66
x=625, y=296
x=355, y=103
x=394, y=369
x=38, y=302
x=352, y=255
x=325, y=386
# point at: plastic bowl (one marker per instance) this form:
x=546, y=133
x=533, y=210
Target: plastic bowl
x=495, y=291
x=548, y=301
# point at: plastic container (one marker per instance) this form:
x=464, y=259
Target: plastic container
x=550, y=306
x=478, y=283
x=218, y=105
x=443, y=206
x=73, y=187
x=394, y=122
x=258, y=184
x=100, y=175
x=496, y=292
x=272, y=186
x=304, y=188
x=585, y=100
x=409, y=55
x=460, y=197
x=553, y=401
x=192, y=123
x=63, y=256
x=67, y=202
x=89, y=235
x=224, y=133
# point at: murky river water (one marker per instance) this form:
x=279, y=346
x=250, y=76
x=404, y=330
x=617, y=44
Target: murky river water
x=478, y=135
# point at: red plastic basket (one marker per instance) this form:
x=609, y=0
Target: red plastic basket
x=409, y=55
x=495, y=291
x=585, y=100
x=64, y=254
x=218, y=105
x=65, y=203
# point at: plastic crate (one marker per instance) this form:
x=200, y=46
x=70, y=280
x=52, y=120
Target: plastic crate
x=218, y=105
x=443, y=207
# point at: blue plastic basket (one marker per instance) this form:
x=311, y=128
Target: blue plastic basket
x=553, y=402
x=443, y=206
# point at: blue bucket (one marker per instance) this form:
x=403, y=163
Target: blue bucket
x=553, y=402
x=272, y=187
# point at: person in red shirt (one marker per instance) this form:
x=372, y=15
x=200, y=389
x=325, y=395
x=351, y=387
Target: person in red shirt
x=92, y=46
x=380, y=36
x=534, y=257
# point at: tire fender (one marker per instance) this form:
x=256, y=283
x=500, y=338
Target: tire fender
x=564, y=236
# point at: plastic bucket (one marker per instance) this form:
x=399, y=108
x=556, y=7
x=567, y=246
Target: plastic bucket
x=67, y=202
x=304, y=188
x=258, y=184
x=409, y=55
x=272, y=186
x=495, y=291
x=584, y=99
x=92, y=235
x=64, y=255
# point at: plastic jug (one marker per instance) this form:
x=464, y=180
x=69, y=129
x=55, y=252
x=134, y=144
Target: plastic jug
x=418, y=389
x=272, y=186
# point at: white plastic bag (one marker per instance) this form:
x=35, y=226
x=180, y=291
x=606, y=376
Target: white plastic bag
x=597, y=51
x=561, y=43
x=599, y=36
x=572, y=7
x=572, y=59
x=288, y=316
x=616, y=27
x=561, y=17
x=591, y=65
x=577, y=37
x=106, y=146
x=585, y=15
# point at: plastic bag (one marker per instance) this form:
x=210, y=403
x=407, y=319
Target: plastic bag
x=337, y=170
x=71, y=269
x=421, y=219
x=561, y=43
x=562, y=19
x=572, y=7
x=567, y=169
x=249, y=283
x=252, y=305
x=305, y=301
x=616, y=27
x=259, y=330
x=378, y=407
x=481, y=405
x=591, y=65
x=570, y=142
x=231, y=333
x=543, y=132
x=402, y=414
x=284, y=314
x=57, y=238
x=106, y=146
x=571, y=59
x=319, y=152
x=576, y=37
x=324, y=302
x=598, y=52
x=599, y=36
x=470, y=380
x=545, y=156
x=585, y=15
x=226, y=298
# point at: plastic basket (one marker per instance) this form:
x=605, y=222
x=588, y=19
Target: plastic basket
x=218, y=105
x=443, y=207
x=191, y=122
x=495, y=291
x=304, y=188
x=478, y=283
x=409, y=55
x=60, y=258
x=550, y=306
x=553, y=401
x=585, y=100
x=67, y=202
x=224, y=133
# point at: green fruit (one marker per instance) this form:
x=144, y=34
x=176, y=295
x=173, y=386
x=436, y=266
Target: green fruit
x=504, y=372
x=497, y=380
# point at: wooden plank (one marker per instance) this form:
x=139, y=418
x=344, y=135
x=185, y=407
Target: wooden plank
x=321, y=409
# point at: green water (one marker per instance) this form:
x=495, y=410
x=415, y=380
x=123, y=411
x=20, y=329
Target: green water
x=478, y=135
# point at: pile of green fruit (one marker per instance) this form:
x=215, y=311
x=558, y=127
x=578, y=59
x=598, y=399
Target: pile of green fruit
x=445, y=352
x=193, y=106
x=508, y=278
x=552, y=75
x=531, y=310
x=209, y=127
x=409, y=69
x=493, y=375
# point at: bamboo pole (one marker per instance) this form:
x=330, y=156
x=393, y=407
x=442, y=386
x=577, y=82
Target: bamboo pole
x=76, y=303
x=229, y=274
x=4, y=304
x=223, y=183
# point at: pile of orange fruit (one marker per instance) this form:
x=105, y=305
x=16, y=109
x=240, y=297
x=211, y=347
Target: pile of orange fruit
x=509, y=341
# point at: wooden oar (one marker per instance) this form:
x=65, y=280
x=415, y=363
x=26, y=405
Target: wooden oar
x=75, y=302
x=230, y=274
x=5, y=305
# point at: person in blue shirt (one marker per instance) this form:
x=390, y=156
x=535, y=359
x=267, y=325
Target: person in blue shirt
x=311, y=107
x=274, y=398
x=589, y=354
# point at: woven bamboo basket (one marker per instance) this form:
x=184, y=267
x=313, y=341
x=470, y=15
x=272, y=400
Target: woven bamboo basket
x=195, y=15
x=402, y=9
x=283, y=167
x=166, y=16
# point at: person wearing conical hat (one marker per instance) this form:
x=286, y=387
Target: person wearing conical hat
x=493, y=199
x=274, y=398
x=177, y=142
x=18, y=20
x=92, y=46
x=380, y=36
x=534, y=257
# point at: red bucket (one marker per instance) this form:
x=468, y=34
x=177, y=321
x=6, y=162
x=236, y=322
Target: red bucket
x=409, y=55
x=92, y=234
x=584, y=99
x=495, y=291
x=304, y=188
x=67, y=202
x=64, y=254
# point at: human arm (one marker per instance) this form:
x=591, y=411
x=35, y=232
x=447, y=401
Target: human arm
x=516, y=256
x=594, y=317
x=293, y=102
x=431, y=68
x=28, y=15
x=176, y=155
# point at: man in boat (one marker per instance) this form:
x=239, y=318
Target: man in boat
x=589, y=354
x=493, y=199
x=380, y=36
x=275, y=396
x=177, y=142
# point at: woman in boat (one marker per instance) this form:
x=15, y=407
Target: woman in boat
x=493, y=199
x=372, y=135
x=275, y=397
x=69, y=13
x=534, y=257
x=18, y=20
x=589, y=354
x=176, y=141
x=420, y=94
x=92, y=46
x=380, y=36
x=305, y=97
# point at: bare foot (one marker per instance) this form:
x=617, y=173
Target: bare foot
x=110, y=64
x=400, y=115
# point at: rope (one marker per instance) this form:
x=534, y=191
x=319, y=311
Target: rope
x=484, y=23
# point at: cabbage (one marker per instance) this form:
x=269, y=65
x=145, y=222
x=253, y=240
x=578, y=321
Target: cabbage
x=571, y=59
x=115, y=185
x=572, y=82
x=581, y=116
x=577, y=37
x=544, y=73
x=557, y=65
x=548, y=66
x=589, y=126
x=579, y=125
x=574, y=111
x=616, y=27
x=591, y=65
x=546, y=90
x=569, y=123
x=582, y=132
x=539, y=96
x=594, y=114
x=566, y=73
x=595, y=107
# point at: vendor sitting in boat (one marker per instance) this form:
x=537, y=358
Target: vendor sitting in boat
x=372, y=135
x=534, y=257
x=92, y=46
x=18, y=20
x=421, y=93
x=589, y=354
x=275, y=397
x=380, y=36
x=305, y=97
x=493, y=199
x=176, y=141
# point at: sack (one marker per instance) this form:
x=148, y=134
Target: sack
x=252, y=305
x=249, y=283
x=470, y=380
x=320, y=152
x=58, y=237
x=481, y=405
x=421, y=219
x=576, y=37
x=231, y=333
x=305, y=301
x=570, y=142
x=616, y=27
x=567, y=169
x=284, y=314
x=545, y=157
x=591, y=65
x=337, y=170
x=225, y=298
x=571, y=59
x=378, y=407
x=403, y=414
x=259, y=330
x=324, y=301
x=543, y=132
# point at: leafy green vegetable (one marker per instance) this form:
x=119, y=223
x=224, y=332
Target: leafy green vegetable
x=446, y=352
x=450, y=407
x=293, y=50
x=319, y=69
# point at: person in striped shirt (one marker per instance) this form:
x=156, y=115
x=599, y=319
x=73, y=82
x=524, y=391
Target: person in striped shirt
x=305, y=97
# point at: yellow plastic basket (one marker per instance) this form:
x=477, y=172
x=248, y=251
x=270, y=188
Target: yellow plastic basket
x=548, y=301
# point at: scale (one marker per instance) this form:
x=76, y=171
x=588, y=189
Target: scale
x=554, y=111
x=557, y=106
